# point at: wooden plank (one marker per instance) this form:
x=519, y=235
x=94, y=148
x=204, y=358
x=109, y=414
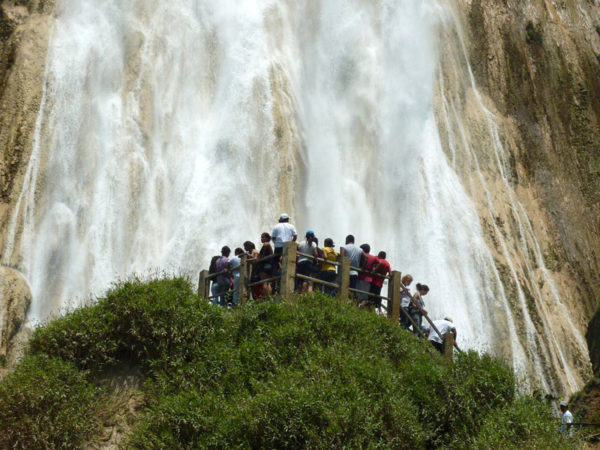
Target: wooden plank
x=448, y=346
x=394, y=292
x=344, y=277
x=203, y=282
x=244, y=278
x=288, y=269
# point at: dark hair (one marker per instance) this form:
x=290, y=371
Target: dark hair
x=366, y=248
x=381, y=255
x=225, y=251
x=349, y=239
x=266, y=236
x=422, y=287
x=315, y=240
x=328, y=242
x=249, y=245
x=239, y=251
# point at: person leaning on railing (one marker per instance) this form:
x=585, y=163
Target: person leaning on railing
x=417, y=307
x=382, y=268
x=355, y=255
x=251, y=256
x=405, y=299
x=328, y=272
x=444, y=327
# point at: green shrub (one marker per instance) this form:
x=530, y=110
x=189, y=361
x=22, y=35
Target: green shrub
x=312, y=373
x=46, y=403
x=534, y=34
x=524, y=423
x=160, y=323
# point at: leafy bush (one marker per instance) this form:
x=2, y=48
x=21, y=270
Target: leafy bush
x=158, y=323
x=534, y=34
x=46, y=403
x=315, y=372
x=525, y=423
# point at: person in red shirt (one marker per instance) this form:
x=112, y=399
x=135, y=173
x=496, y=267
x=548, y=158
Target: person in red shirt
x=365, y=278
x=383, y=268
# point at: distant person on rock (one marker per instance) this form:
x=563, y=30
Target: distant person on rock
x=405, y=299
x=328, y=270
x=417, y=307
x=265, y=269
x=223, y=280
x=444, y=326
x=382, y=268
x=365, y=278
x=306, y=263
x=566, y=418
x=283, y=232
x=234, y=266
x=356, y=256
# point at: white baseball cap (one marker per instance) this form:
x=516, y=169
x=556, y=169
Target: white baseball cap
x=284, y=216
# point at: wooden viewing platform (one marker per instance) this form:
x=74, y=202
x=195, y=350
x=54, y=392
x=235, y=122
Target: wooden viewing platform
x=287, y=283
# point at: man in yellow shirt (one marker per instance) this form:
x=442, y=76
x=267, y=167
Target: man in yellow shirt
x=328, y=270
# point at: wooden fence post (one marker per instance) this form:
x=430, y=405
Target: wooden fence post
x=448, y=341
x=344, y=278
x=394, y=293
x=288, y=269
x=242, y=285
x=203, y=291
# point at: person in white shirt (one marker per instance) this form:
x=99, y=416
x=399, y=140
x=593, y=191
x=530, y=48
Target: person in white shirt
x=306, y=263
x=565, y=418
x=444, y=326
x=283, y=232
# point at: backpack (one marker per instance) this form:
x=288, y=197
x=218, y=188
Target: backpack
x=213, y=264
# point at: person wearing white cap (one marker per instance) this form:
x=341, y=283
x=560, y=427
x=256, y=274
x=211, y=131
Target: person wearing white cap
x=283, y=232
x=565, y=418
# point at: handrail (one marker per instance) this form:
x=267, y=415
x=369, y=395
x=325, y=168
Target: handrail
x=317, y=280
x=318, y=258
x=288, y=274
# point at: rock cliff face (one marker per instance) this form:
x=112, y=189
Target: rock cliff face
x=24, y=28
x=538, y=64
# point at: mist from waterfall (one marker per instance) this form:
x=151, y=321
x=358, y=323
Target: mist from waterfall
x=170, y=129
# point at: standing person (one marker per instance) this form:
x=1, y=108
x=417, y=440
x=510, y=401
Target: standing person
x=328, y=272
x=223, y=280
x=214, y=288
x=234, y=267
x=251, y=257
x=417, y=307
x=382, y=268
x=305, y=263
x=444, y=326
x=365, y=278
x=565, y=419
x=405, y=299
x=355, y=254
x=265, y=269
x=283, y=232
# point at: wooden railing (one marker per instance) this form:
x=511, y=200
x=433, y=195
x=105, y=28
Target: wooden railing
x=286, y=281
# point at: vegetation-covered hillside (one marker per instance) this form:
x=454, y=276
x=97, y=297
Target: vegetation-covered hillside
x=312, y=373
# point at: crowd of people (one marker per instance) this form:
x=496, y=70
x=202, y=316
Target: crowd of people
x=367, y=275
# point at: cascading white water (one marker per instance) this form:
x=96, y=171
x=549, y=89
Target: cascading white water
x=170, y=129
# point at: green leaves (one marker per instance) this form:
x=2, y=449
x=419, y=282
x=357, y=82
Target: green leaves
x=312, y=373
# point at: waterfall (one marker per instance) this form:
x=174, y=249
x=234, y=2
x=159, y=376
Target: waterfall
x=170, y=129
